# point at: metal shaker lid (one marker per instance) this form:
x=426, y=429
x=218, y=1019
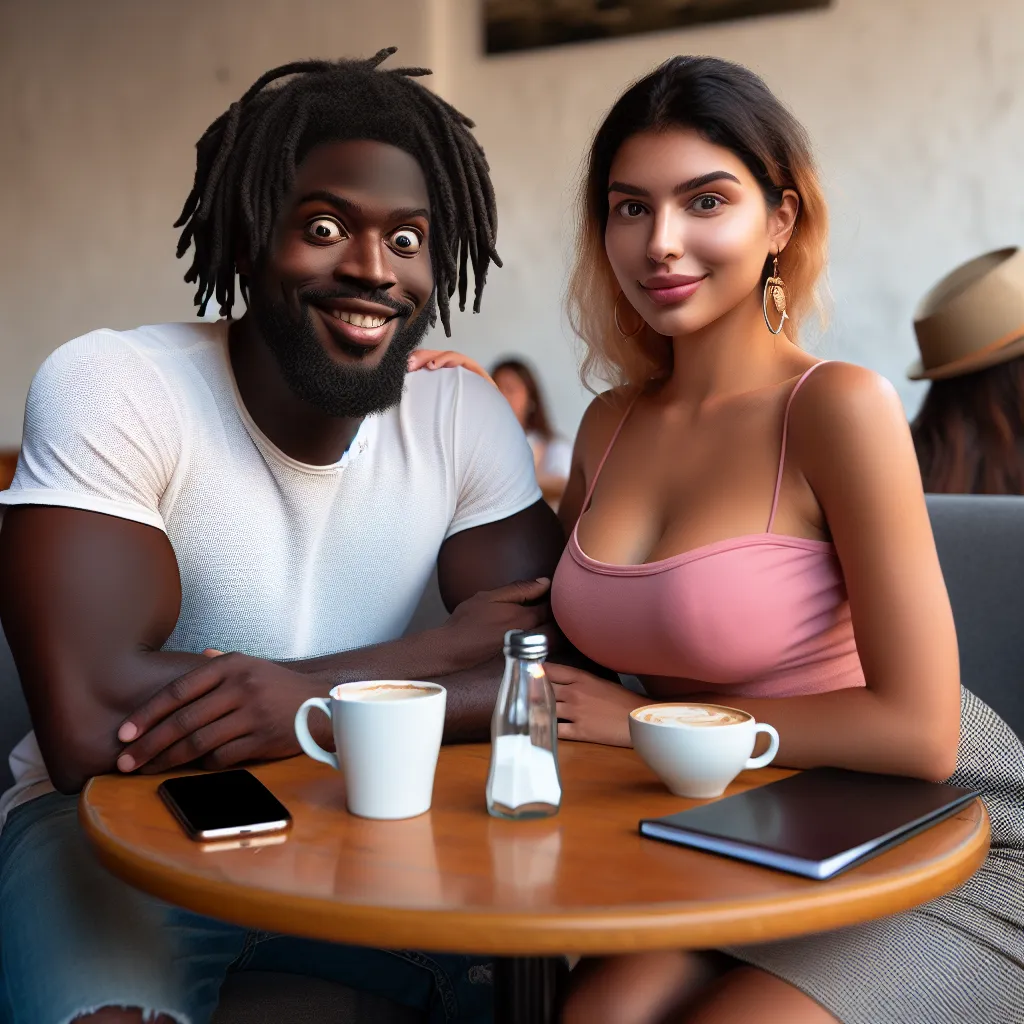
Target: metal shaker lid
x=521, y=644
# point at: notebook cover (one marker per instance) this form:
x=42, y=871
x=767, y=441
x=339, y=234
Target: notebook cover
x=816, y=823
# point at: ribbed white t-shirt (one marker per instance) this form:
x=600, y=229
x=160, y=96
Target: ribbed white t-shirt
x=278, y=559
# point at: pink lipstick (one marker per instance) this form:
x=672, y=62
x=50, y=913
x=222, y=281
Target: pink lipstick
x=666, y=289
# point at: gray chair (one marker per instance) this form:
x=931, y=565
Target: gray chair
x=14, y=722
x=980, y=540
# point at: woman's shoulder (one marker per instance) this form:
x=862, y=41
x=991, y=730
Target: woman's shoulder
x=845, y=387
x=843, y=405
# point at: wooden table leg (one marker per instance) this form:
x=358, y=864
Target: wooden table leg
x=526, y=989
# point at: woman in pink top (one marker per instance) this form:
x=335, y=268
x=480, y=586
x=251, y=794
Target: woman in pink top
x=747, y=525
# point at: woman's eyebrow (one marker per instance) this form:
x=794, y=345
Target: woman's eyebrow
x=684, y=186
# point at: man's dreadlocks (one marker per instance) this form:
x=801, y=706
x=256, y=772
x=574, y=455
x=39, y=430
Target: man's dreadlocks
x=246, y=162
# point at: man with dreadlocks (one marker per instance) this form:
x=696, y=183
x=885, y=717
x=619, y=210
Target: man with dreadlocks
x=272, y=486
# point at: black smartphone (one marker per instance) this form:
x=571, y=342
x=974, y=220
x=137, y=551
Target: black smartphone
x=222, y=805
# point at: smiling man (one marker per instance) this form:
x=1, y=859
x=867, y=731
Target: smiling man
x=275, y=487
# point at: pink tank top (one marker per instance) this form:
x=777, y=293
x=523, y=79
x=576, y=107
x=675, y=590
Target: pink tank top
x=763, y=615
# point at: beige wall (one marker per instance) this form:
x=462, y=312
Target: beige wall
x=102, y=103
x=916, y=107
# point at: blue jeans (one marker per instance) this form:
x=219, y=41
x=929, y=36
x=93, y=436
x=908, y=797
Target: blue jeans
x=73, y=939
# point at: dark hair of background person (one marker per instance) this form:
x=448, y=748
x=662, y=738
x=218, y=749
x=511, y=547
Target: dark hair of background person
x=969, y=433
x=731, y=107
x=537, y=421
x=246, y=161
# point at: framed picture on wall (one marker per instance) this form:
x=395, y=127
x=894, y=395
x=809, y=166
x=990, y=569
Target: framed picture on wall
x=528, y=24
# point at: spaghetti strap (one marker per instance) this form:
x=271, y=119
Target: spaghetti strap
x=785, y=432
x=607, y=452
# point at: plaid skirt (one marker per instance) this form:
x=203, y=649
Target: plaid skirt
x=956, y=960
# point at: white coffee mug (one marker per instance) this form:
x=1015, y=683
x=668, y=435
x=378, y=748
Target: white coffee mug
x=387, y=734
x=698, y=749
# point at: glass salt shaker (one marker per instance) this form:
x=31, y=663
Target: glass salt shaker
x=524, y=781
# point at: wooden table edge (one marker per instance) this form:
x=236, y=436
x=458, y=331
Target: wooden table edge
x=539, y=933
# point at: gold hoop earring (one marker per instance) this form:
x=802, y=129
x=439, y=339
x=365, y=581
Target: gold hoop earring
x=777, y=290
x=618, y=325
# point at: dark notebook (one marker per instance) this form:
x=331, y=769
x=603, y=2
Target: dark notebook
x=816, y=823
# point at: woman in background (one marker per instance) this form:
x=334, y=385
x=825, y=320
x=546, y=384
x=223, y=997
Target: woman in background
x=552, y=455
x=969, y=433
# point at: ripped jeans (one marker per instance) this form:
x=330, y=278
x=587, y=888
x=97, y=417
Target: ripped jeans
x=73, y=939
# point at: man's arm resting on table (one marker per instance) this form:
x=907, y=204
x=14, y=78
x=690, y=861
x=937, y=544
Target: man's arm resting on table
x=87, y=600
x=172, y=728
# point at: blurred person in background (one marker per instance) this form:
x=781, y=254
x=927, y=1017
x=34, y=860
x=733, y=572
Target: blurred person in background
x=552, y=455
x=969, y=433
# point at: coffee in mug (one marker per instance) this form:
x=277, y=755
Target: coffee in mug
x=698, y=715
x=387, y=734
x=387, y=691
x=698, y=749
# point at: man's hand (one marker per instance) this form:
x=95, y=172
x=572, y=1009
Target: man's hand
x=591, y=709
x=477, y=627
x=234, y=708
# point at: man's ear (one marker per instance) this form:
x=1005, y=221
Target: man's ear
x=782, y=220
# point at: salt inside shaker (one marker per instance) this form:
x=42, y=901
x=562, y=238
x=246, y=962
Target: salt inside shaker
x=524, y=781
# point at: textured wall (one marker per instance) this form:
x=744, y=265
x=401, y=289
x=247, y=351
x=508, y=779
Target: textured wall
x=916, y=108
x=102, y=103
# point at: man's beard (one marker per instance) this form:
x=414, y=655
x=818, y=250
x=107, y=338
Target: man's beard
x=338, y=390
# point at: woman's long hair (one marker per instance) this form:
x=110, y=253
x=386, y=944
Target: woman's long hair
x=730, y=107
x=969, y=434
x=537, y=421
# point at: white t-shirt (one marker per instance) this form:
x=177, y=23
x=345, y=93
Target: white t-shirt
x=278, y=559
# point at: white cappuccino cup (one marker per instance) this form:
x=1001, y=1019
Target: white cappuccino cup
x=698, y=749
x=387, y=734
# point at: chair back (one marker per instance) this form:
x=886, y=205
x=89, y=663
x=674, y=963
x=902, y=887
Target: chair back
x=980, y=540
x=14, y=720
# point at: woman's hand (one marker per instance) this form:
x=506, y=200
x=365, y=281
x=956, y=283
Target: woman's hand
x=432, y=359
x=593, y=710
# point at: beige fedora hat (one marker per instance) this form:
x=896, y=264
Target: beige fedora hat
x=973, y=318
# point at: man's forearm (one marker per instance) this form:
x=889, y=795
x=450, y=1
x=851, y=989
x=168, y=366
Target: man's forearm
x=424, y=655
x=472, y=693
x=471, y=697
x=78, y=737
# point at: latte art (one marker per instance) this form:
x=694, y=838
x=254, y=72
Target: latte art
x=699, y=715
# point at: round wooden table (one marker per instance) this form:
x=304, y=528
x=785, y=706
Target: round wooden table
x=457, y=880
